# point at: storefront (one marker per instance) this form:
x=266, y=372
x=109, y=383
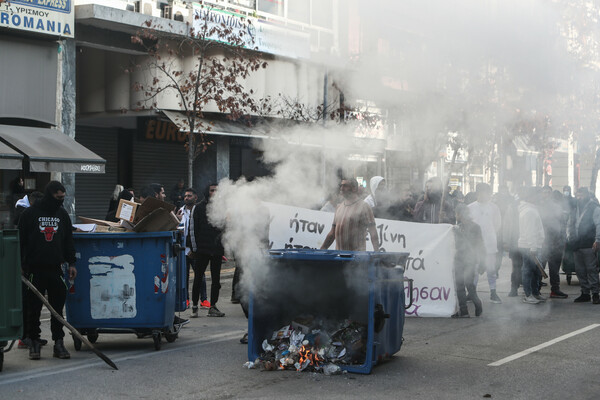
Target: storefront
x=37, y=106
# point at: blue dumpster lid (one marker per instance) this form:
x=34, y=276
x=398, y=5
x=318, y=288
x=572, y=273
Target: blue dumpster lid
x=392, y=258
x=121, y=235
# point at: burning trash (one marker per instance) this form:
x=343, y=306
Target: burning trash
x=316, y=346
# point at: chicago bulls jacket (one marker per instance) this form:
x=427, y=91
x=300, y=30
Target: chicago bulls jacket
x=46, y=238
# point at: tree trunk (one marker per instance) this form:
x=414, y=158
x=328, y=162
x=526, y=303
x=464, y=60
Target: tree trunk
x=190, y=158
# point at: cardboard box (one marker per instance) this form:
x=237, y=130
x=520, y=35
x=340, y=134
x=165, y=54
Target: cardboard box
x=126, y=210
x=158, y=220
x=148, y=206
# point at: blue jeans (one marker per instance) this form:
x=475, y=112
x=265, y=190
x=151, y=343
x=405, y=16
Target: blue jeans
x=531, y=274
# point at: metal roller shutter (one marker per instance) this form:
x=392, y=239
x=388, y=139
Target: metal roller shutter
x=155, y=162
x=93, y=191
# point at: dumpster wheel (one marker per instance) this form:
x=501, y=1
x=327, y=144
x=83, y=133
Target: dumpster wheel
x=171, y=337
x=156, y=337
x=77, y=343
x=1, y=358
x=92, y=337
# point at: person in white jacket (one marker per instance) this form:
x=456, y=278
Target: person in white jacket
x=377, y=186
x=486, y=214
x=530, y=243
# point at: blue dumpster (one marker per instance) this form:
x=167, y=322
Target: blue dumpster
x=366, y=287
x=126, y=282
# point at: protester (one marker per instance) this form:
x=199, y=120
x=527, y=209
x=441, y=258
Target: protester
x=124, y=195
x=428, y=209
x=487, y=215
x=584, y=238
x=114, y=199
x=352, y=219
x=377, y=186
x=531, y=242
x=155, y=190
x=502, y=199
x=46, y=237
x=24, y=203
x=510, y=239
x=569, y=205
x=17, y=190
x=469, y=252
x=21, y=205
x=190, y=199
x=178, y=193
x=208, y=248
x=553, y=220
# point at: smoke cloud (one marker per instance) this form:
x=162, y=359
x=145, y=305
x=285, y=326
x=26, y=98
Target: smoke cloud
x=428, y=62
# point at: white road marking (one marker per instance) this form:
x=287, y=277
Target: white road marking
x=541, y=346
x=121, y=356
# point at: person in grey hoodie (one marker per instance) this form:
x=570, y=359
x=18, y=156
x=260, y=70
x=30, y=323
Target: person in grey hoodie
x=583, y=235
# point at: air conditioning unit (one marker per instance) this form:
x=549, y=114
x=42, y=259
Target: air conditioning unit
x=148, y=7
x=177, y=11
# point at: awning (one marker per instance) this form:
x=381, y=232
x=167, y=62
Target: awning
x=9, y=158
x=270, y=131
x=222, y=128
x=50, y=150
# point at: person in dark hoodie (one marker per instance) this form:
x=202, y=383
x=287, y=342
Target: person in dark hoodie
x=428, y=209
x=469, y=252
x=46, y=237
x=207, y=247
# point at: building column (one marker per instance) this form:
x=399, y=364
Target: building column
x=66, y=117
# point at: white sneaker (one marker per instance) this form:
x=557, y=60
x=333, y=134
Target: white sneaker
x=194, y=312
x=530, y=300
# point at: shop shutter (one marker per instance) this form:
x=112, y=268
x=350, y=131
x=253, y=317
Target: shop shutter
x=93, y=191
x=158, y=162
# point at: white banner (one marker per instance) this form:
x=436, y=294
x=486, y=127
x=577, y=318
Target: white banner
x=49, y=17
x=431, y=248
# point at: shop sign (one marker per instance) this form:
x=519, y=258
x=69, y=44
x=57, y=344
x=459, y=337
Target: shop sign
x=163, y=131
x=48, y=17
x=266, y=38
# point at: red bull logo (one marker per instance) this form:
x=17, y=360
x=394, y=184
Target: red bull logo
x=48, y=227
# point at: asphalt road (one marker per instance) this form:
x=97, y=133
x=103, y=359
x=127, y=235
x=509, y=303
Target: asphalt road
x=440, y=359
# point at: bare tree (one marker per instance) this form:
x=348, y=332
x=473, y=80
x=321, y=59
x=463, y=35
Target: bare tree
x=222, y=58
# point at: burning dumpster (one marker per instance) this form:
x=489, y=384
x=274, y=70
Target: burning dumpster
x=324, y=309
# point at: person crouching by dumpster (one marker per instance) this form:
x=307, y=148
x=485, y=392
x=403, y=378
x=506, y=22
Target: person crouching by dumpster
x=207, y=247
x=351, y=221
x=46, y=243
x=469, y=252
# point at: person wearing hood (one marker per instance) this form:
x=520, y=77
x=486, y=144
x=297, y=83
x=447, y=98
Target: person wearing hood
x=583, y=235
x=46, y=235
x=377, y=186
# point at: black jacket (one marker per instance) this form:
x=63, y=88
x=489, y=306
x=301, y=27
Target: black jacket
x=207, y=238
x=46, y=236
